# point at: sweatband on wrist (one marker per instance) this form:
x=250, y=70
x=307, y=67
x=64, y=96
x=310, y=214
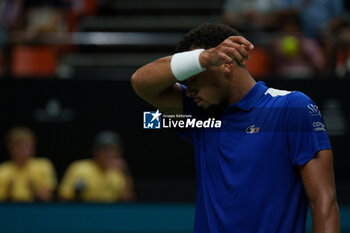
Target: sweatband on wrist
x=186, y=64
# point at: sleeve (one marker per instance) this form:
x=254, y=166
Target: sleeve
x=66, y=188
x=189, y=107
x=306, y=129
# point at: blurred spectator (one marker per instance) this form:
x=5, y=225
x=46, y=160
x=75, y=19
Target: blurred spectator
x=34, y=22
x=41, y=17
x=315, y=15
x=295, y=56
x=80, y=8
x=25, y=178
x=338, y=46
x=10, y=14
x=105, y=178
x=249, y=14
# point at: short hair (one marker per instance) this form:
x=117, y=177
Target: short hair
x=206, y=36
x=107, y=138
x=19, y=134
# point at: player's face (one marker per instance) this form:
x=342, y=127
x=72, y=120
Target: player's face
x=208, y=88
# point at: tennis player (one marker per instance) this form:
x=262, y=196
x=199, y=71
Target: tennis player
x=270, y=158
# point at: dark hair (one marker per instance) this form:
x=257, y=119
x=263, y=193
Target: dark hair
x=106, y=138
x=18, y=134
x=208, y=35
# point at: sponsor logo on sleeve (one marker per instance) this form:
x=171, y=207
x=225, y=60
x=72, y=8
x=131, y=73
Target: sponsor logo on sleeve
x=318, y=126
x=314, y=110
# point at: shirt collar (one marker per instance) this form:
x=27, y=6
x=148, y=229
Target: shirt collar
x=251, y=98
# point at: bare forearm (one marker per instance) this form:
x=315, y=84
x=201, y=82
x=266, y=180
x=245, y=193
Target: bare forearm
x=156, y=77
x=156, y=82
x=326, y=220
x=153, y=78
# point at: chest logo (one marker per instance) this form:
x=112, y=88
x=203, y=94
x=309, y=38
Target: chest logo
x=252, y=129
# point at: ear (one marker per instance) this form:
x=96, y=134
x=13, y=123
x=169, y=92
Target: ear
x=228, y=68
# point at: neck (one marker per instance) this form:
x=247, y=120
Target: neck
x=240, y=84
x=100, y=165
x=21, y=163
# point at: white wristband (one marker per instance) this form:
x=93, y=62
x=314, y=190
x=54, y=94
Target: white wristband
x=186, y=64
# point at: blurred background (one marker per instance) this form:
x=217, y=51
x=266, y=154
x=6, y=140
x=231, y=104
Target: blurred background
x=74, y=156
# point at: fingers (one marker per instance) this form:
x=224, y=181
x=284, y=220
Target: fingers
x=243, y=52
x=238, y=54
x=237, y=48
x=241, y=40
x=226, y=58
x=234, y=48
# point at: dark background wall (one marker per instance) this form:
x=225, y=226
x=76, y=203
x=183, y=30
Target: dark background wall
x=66, y=114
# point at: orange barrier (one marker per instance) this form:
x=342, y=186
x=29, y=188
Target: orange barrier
x=259, y=63
x=38, y=61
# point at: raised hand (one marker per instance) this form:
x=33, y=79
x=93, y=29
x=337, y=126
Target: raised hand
x=234, y=48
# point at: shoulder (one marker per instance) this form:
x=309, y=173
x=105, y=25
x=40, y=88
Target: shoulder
x=292, y=102
x=276, y=97
x=41, y=162
x=298, y=99
x=273, y=92
x=6, y=167
x=302, y=111
x=85, y=164
x=289, y=98
x=6, y=164
x=41, y=165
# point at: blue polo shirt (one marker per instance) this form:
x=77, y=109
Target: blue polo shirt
x=247, y=176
